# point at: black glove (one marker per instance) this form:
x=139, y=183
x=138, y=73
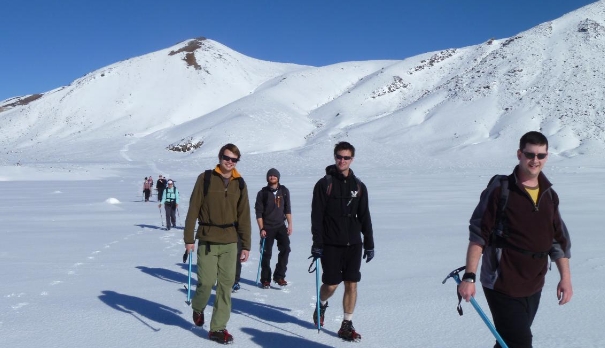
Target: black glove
x=316, y=253
x=369, y=254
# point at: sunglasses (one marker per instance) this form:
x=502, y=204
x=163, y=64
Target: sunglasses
x=346, y=158
x=531, y=155
x=229, y=159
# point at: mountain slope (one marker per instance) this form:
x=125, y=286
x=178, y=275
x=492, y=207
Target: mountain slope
x=548, y=78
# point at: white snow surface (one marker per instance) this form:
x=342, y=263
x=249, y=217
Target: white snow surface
x=86, y=263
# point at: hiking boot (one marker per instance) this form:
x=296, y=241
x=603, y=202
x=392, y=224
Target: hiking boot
x=221, y=336
x=235, y=287
x=266, y=284
x=322, y=313
x=347, y=331
x=198, y=318
x=280, y=281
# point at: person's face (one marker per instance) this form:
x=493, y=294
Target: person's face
x=228, y=161
x=532, y=166
x=272, y=180
x=343, y=160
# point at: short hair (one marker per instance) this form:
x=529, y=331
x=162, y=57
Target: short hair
x=534, y=138
x=231, y=148
x=343, y=145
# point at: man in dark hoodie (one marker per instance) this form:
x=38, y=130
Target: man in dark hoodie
x=272, y=208
x=516, y=241
x=340, y=214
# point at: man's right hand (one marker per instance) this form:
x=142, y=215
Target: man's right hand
x=189, y=248
x=466, y=290
x=316, y=253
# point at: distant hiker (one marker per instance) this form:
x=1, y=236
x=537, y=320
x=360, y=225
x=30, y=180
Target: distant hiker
x=150, y=179
x=146, y=189
x=340, y=214
x=517, y=226
x=272, y=209
x=219, y=201
x=170, y=199
x=160, y=186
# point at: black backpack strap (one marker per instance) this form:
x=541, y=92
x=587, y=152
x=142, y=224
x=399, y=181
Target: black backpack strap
x=328, y=184
x=501, y=214
x=207, y=176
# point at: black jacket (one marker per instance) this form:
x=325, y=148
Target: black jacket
x=160, y=185
x=343, y=215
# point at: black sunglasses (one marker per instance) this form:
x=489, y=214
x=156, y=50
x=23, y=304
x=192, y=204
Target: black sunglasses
x=229, y=159
x=531, y=155
x=346, y=158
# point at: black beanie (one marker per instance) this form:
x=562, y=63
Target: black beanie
x=273, y=172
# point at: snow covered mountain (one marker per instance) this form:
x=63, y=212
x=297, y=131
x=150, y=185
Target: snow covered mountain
x=549, y=78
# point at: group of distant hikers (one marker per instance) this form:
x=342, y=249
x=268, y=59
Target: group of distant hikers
x=515, y=227
x=168, y=195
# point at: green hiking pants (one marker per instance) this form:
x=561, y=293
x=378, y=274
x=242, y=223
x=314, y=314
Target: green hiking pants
x=215, y=263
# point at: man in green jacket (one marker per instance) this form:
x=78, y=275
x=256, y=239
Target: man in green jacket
x=223, y=212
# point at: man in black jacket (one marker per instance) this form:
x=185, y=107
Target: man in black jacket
x=160, y=186
x=339, y=216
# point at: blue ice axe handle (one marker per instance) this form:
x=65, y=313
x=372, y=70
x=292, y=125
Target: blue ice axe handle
x=189, y=280
x=454, y=274
x=262, y=249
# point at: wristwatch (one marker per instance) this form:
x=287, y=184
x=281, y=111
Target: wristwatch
x=469, y=277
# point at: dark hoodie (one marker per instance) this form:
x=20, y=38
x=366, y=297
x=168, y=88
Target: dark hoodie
x=342, y=216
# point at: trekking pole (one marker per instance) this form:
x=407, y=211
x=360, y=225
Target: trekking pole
x=454, y=274
x=179, y=215
x=161, y=216
x=185, y=256
x=318, y=304
x=262, y=249
x=317, y=289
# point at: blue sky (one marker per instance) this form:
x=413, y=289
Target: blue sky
x=48, y=44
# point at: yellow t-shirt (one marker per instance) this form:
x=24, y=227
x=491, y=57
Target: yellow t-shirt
x=533, y=192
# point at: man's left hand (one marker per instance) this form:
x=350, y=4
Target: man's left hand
x=564, y=291
x=368, y=255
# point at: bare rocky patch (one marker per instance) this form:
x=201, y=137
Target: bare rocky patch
x=20, y=101
x=189, y=50
x=185, y=145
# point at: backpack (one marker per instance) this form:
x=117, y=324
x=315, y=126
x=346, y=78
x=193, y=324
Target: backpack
x=171, y=201
x=207, y=177
x=498, y=236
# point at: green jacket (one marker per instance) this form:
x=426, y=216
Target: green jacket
x=221, y=206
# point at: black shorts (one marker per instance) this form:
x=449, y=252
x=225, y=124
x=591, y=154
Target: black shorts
x=341, y=263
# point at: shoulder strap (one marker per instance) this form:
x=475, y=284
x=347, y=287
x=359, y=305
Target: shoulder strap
x=207, y=176
x=329, y=184
x=501, y=213
x=265, y=192
x=358, y=186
